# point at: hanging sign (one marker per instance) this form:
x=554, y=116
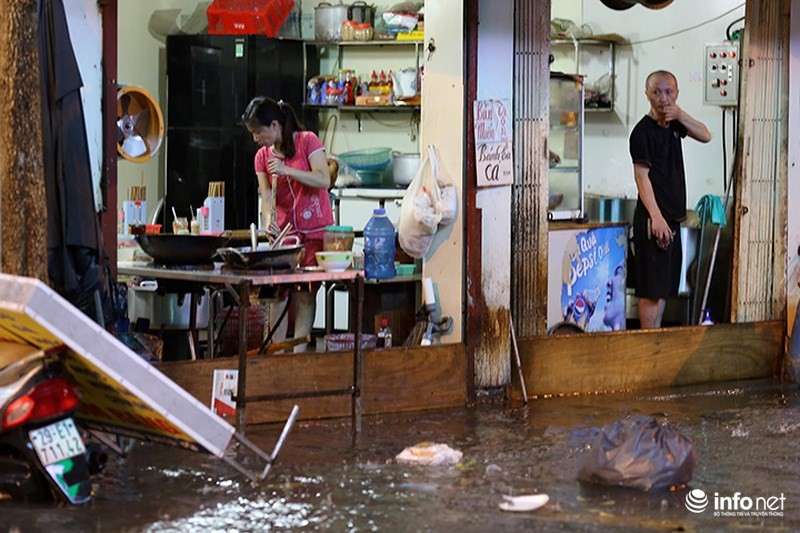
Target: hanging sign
x=493, y=150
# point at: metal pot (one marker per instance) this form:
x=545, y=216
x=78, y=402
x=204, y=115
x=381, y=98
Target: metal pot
x=404, y=167
x=360, y=12
x=171, y=249
x=168, y=309
x=328, y=21
x=608, y=209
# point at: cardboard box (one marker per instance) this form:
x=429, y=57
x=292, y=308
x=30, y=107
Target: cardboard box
x=373, y=99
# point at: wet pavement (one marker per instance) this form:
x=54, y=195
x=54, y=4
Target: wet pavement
x=745, y=434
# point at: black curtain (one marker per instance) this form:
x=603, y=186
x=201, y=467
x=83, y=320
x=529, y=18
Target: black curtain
x=73, y=231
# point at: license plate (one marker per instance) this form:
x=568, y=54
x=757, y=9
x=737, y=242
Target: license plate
x=57, y=442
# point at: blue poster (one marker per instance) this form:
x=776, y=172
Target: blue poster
x=593, y=272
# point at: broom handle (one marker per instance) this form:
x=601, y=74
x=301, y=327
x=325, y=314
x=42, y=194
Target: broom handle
x=519, y=363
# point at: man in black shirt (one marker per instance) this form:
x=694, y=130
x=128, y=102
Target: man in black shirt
x=655, y=146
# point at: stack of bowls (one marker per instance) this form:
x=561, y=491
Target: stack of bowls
x=369, y=163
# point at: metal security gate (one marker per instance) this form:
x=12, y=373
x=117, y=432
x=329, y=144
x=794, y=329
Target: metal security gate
x=531, y=141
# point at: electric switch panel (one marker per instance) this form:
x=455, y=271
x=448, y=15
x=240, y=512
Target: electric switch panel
x=722, y=74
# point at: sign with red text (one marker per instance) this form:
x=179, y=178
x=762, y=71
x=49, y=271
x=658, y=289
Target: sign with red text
x=493, y=137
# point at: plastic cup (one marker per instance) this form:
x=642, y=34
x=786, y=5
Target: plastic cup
x=180, y=225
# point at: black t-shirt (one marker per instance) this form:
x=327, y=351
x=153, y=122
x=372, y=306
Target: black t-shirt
x=660, y=149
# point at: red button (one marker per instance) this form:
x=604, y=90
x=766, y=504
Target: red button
x=724, y=93
x=732, y=54
x=722, y=54
x=723, y=82
x=712, y=55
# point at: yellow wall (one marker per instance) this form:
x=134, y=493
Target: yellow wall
x=443, y=126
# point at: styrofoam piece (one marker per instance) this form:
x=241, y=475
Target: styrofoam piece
x=529, y=502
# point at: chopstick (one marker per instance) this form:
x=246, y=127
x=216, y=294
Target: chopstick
x=137, y=193
x=216, y=189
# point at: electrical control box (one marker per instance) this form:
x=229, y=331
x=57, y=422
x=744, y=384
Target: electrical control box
x=721, y=76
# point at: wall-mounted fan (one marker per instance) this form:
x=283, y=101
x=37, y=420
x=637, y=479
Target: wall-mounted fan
x=140, y=124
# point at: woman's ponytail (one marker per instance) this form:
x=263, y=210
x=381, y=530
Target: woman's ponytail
x=261, y=111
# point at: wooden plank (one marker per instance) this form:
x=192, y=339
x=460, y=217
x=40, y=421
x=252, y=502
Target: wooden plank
x=473, y=231
x=631, y=360
x=396, y=380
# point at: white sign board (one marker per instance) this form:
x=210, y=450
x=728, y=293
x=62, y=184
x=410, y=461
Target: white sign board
x=224, y=388
x=493, y=137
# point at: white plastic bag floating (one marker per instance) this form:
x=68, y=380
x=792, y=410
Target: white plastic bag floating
x=430, y=453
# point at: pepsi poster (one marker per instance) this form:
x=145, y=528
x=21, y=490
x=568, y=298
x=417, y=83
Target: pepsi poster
x=587, y=278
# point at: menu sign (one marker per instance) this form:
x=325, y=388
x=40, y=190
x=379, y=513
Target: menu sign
x=493, y=151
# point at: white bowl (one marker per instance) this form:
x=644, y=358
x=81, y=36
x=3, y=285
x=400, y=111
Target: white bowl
x=334, y=261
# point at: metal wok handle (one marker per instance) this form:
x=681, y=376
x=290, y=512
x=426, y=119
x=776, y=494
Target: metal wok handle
x=295, y=238
x=239, y=254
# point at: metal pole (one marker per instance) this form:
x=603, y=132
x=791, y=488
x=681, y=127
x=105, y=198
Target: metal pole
x=357, y=355
x=278, y=445
x=716, y=238
x=244, y=313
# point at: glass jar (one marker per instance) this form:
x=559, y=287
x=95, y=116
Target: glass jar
x=363, y=32
x=348, y=30
x=338, y=239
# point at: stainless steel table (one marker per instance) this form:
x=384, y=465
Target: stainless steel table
x=238, y=283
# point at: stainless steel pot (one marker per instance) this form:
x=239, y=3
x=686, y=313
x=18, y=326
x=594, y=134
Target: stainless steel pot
x=404, y=167
x=608, y=209
x=168, y=309
x=328, y=20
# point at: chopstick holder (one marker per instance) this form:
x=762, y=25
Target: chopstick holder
x=134, y=209
x=215, y=202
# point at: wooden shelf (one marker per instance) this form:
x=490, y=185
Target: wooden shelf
x=387, y=42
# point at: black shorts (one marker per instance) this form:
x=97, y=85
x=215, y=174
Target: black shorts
x=657, y=272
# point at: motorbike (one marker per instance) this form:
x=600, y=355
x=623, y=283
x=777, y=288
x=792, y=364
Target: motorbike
x=43, y=452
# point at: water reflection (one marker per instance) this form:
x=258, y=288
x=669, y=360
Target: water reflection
x=745, y=436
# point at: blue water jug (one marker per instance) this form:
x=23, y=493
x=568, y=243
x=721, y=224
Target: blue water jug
x=379, y=237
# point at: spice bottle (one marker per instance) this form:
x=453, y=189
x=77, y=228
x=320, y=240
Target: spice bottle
x=384, y=334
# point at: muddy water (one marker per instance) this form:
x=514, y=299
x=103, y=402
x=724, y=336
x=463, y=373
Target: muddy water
x=747, y=436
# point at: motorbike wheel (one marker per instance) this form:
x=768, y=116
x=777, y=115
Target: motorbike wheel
x=21, y=480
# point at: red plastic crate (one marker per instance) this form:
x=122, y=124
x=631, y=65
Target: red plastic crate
x=251, y=17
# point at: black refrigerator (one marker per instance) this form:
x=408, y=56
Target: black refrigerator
x=210, y=80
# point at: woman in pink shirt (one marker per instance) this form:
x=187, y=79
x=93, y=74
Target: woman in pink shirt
x=297, y=160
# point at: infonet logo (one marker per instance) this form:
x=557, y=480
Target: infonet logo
x=736, y=505
x=696, y=501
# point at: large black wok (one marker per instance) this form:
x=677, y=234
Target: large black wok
x=280, y=257
x=171, y=249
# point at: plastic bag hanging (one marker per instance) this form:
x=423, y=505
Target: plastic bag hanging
x=448, y=194
x=420, y=211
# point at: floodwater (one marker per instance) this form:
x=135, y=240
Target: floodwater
x=746, y=436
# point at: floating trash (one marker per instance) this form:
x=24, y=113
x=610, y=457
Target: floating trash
x=529, y=502
x=430, y=453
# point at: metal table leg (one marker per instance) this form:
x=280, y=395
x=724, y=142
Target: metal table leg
x=241, y=393
x=357, y=355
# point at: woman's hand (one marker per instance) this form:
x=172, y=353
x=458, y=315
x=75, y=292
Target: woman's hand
x=277, y=166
